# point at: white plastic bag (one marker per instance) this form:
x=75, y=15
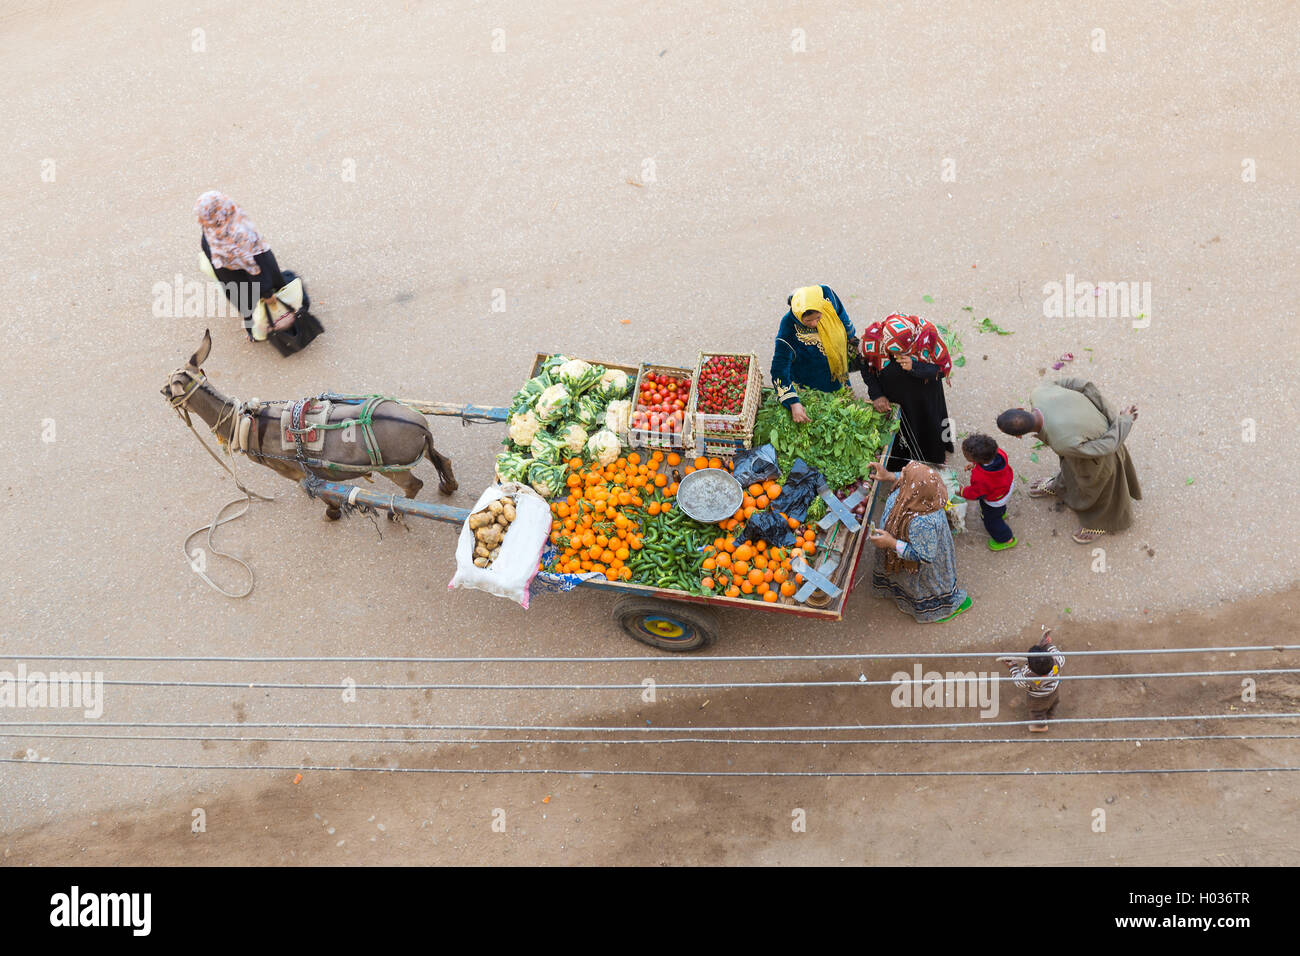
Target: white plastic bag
x=957, y=505
x=521, y=550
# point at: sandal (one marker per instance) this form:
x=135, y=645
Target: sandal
x=1087, y=535
x=1005, y=545
x=1043, y=488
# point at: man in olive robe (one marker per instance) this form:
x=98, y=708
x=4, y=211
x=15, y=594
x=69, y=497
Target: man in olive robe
x=1097, y=479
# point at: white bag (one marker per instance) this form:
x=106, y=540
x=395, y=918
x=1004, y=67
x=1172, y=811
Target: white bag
x=521, y=550
x=957, y=505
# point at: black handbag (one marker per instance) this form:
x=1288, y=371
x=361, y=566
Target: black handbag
x=297, y=337
x=299, y=333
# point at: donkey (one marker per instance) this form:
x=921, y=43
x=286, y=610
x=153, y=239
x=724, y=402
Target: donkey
x=402, y=435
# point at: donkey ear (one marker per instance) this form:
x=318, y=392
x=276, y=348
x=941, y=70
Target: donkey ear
x=205, y=347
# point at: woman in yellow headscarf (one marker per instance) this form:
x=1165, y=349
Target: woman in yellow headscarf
x=813, y=347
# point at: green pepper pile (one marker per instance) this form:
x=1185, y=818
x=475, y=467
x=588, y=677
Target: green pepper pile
x=672, y=550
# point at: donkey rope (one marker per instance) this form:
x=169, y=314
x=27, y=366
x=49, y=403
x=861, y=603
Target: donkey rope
x=322, y=440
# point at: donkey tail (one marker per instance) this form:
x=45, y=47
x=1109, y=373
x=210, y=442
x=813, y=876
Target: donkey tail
x=446, y=477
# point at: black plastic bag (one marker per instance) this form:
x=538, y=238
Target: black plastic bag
x=756, y=465
x=770, y=527
x=799, y=490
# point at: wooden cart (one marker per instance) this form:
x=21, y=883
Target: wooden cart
x=667, y=619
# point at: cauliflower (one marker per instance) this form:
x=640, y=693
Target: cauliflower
x=526, y=397
x=551, y=404
x=589, y=410
x=547, y=480
x=547, y=447
x=604, y=446
x=572, y=371
x=523, y=427
x=615, y=383
x=578, y=375
x=574, y=437
x=617, y=415
x=512, y=467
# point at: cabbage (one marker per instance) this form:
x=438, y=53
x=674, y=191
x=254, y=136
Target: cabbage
x=512, y=467
x=604, y=446
x=547, y=447
x=574, y=437
x=527, y=396
x=552, y=403
x=617, y=415
x=547, y=480
x=523, y=427
x=615, y=383
x=589, y=410
x=578, y=375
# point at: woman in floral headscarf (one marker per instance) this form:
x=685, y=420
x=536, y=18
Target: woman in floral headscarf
x=915, y=563
x=245, y=266
x=905, y=362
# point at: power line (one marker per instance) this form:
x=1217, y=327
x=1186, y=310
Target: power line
x=963, y=678
x=669, y=740
x=556, y=728
x=682, y=658
x=140, y=765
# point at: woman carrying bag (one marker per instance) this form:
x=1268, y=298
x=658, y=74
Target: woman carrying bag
x=274, y=305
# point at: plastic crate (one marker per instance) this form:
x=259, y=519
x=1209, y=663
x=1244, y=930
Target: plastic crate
x=644, y=437
x=735, y=431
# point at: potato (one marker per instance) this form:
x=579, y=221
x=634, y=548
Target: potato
x=479, y=520
x=509, y=512
x=482, y=551
x=490, y=536
x=495, y=507
x=493, y=555
x=503, y=521
x=481, y=562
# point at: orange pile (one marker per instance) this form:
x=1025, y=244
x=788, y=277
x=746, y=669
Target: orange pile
x=591, y=528
x=757, y=570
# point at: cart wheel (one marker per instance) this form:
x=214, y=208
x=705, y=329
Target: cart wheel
x=667, y=626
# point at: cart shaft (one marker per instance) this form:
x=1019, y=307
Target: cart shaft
x=334, y=493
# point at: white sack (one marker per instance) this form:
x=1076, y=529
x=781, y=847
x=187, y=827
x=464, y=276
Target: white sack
x=521, y=550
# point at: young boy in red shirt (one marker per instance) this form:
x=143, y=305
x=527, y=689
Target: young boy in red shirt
x=991, y=482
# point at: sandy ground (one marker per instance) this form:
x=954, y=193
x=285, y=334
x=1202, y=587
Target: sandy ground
x=759, y=169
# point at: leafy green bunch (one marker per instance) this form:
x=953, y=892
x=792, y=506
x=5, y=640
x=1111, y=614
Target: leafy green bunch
x=842, y=436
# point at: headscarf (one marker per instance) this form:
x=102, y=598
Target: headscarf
x=920, y=491
x=232, y=238
x=830, y=328
x=904, y=335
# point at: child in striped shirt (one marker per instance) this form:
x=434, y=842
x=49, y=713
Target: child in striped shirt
x=1038, y=675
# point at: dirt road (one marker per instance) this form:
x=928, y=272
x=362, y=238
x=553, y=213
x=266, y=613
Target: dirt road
x=632, y=182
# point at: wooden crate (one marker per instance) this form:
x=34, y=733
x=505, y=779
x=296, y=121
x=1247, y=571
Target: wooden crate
x=730, y=427
x=644, y=437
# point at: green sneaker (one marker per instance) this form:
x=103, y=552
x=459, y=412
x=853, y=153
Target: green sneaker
x=964, y=606
x=994, y=546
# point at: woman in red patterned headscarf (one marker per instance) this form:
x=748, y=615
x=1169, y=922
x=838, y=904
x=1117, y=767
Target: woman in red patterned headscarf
x=905, y=362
